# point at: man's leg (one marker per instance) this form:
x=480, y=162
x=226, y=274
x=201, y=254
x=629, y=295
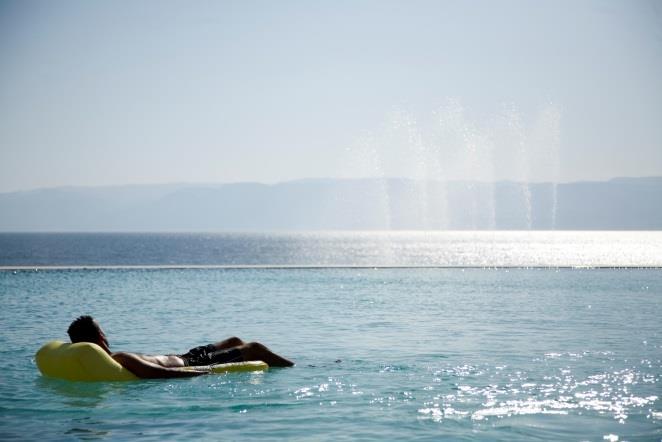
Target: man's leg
x=229, y=343
x=254, y=351
x=204, y=354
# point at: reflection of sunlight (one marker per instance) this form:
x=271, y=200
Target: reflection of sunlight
x=256, y=378
x=607, y=392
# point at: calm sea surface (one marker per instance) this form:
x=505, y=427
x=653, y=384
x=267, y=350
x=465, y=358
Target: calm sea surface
x=445, y=249
x=382, y=353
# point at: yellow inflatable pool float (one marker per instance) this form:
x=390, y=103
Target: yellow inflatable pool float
x=85, y=361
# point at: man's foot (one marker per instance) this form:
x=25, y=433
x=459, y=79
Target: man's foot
x=254, y=351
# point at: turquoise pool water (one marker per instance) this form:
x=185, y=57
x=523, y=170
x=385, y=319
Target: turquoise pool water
x=480, y=354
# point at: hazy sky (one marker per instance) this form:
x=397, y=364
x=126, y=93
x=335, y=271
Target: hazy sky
x=95, y=93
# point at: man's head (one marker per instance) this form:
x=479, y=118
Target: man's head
x=86, y=329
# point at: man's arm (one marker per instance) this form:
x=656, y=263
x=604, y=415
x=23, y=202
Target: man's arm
x=147, y=370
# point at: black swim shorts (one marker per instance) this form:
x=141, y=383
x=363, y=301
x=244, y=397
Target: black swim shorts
x=209, y=355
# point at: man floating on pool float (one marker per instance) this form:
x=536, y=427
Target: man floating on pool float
x=86, y=329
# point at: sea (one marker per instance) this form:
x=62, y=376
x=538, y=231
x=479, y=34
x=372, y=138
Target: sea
x=513, y=336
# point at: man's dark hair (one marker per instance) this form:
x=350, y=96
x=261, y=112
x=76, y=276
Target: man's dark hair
x=84, y=329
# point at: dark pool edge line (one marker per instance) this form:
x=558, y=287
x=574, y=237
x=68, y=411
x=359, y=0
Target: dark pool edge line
x=310, y=267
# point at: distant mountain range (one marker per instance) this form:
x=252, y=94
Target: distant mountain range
x=339, y=204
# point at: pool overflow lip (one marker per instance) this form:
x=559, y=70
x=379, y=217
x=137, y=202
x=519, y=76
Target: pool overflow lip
x=36, y=268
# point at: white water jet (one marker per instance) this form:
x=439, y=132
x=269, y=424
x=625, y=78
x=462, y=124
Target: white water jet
x=472, y=151
x=436, y=182
x=551, y=145
x=418, y=158
x=482, y=170
x=432, y=157
x=519, y=138
x=368, y=157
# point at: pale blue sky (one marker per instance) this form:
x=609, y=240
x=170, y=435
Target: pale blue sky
x=96, y=93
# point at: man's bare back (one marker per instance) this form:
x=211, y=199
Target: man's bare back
x=162, y=360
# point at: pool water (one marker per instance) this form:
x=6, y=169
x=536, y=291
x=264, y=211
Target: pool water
x=480, y=354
